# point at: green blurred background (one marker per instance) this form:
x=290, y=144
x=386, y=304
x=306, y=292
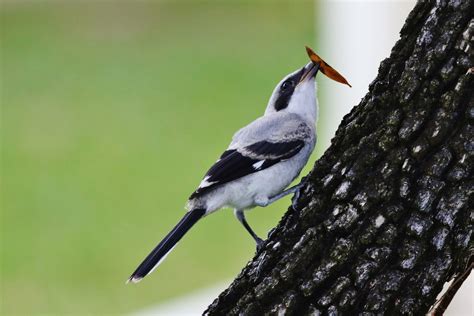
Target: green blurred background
x=111, y=114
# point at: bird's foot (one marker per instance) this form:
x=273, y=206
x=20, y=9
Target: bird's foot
x=295, y=197
x=260, y=243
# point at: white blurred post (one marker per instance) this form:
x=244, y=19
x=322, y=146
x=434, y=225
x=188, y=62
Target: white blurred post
x=354, y=37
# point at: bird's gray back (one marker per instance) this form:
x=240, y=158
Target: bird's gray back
x=274, y=127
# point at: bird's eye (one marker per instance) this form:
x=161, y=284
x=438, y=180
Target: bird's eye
x=286, y=85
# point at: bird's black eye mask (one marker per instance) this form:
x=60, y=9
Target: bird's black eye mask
x=286, y=90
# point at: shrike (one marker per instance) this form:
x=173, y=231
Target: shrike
x=262, y=159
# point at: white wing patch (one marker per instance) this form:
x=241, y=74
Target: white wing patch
x=258, y=164
x=204, y=183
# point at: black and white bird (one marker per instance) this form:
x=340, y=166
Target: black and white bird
x=262, y=159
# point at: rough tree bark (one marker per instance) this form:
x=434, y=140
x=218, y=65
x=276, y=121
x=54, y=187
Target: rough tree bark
x=386, y=215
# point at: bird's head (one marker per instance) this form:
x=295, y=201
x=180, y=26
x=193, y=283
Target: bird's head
x=296, y=93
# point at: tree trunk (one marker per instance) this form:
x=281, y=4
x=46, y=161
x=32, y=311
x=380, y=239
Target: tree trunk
x=386, y=215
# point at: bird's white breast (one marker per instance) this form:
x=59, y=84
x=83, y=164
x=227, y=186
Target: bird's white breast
x=243, y=193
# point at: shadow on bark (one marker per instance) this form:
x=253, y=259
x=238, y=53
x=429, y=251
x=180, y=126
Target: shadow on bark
x=385, y=217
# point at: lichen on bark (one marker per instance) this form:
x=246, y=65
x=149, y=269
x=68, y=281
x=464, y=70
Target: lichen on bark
x=385, y=217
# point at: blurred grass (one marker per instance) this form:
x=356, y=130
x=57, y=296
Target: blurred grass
x=111, y=113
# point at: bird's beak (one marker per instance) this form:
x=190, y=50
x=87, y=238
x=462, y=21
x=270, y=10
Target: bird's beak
x=325, y=68
x=309, y=71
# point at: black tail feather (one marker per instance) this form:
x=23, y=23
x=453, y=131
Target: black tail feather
x=166, y=245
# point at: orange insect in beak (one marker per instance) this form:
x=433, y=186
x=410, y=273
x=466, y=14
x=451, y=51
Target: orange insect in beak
x=325, y=68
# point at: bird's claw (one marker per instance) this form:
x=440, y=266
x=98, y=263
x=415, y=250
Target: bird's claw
x=295, y=198
x=259, y=242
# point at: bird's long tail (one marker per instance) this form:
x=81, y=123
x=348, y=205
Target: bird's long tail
x=166, y=245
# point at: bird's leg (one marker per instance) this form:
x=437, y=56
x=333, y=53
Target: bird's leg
x=264, y=202
x=241, y=217
x=295, y=189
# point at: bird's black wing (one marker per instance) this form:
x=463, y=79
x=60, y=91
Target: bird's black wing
x=234, y=164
